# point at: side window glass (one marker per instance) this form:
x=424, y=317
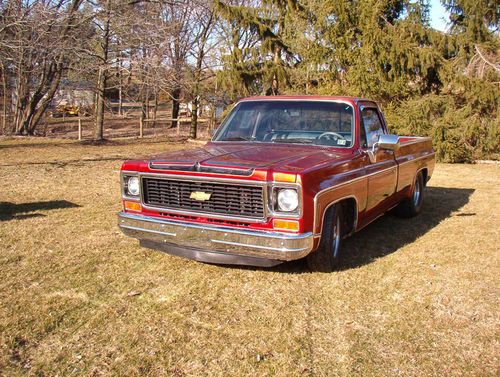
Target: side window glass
x=372, y=126
x=362, y=135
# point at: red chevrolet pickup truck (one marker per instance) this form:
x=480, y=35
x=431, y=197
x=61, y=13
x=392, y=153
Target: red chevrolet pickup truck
x=283, y=178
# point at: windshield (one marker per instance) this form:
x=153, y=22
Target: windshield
x=304, y=122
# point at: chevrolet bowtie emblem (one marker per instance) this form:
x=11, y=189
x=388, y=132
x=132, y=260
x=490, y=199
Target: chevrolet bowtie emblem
x=200, y=196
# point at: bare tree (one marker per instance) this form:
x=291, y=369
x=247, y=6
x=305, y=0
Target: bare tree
x=36, y=48
x=162, y=39
x=5, y=93
x=105, y=52
x=147, y=64
x=202, y=31
x=103, y=26
x=178, y=46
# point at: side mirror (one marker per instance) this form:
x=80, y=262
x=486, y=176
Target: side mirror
x=387, y=142
x=390, y=142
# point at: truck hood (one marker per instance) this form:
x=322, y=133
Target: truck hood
x=291, y=158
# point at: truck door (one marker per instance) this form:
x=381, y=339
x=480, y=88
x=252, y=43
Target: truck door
x=383, y=172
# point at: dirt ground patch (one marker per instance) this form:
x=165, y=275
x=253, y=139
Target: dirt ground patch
x=413, y=297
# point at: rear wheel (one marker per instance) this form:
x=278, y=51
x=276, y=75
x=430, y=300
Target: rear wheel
x=326, y=257
x=413, y=205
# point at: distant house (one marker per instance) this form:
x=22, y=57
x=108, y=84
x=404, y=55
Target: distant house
x=70, y=96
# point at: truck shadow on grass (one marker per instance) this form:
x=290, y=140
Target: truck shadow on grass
x=11, y=211
x=389, y=233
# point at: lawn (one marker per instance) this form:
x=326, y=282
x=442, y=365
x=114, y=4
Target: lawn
x=413, y=297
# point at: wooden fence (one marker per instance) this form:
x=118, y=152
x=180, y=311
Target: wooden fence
x=209, y=122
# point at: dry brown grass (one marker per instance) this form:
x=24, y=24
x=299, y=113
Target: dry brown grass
x=414, y=297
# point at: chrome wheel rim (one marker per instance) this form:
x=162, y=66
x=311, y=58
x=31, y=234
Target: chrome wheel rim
x=336, y=238
x=416, y=193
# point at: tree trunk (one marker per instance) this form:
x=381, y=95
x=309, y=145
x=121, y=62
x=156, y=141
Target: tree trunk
x=22, y=96
x=120, y=87
x=47, y=86
x=175, y=107
x=146, y=102
x=143, y=109
x=102, y=78
x=194, y=118
x=4, y=102
x=99, y=110
x=198, y=77
x=33, y=106
x=46, y=100
x=193, y=130
x=120, y=100
x=37, y=79
x=155, y=108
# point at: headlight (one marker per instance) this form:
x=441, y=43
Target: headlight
x=288, y=200
x=133, y=186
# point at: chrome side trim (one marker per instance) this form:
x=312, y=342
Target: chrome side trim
x=417, y=139
x=419, y=170
x=371, y=174
x=351, y=196
x=432, y=154
x=416, y=173
x=227, y=240
x=350, y=172
x=355, y=221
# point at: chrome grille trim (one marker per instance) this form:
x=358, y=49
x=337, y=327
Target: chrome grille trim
x=232, y=199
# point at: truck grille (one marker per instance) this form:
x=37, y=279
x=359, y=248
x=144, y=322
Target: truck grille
x=225, y=198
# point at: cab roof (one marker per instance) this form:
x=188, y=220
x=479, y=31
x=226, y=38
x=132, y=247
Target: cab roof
x=353, y=100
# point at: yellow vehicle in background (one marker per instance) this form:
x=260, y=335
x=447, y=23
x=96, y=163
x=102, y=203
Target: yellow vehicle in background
x=66, y=111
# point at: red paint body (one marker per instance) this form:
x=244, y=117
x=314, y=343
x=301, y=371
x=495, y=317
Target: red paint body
x=325, y=173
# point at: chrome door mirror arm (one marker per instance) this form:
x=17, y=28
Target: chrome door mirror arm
x=386, y=142
x=372, y=153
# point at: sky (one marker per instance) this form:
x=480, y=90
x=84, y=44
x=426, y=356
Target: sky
x=439, y=16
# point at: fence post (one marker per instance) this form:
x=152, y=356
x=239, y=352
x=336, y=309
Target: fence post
x=178, y=127
x=79, y=129
x=141, y=125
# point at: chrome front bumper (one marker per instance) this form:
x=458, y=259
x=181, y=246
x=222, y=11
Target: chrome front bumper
x=216, y=244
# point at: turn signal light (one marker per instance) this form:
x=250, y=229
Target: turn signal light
x=292, y=225
x=132, y=206
x=284, y=177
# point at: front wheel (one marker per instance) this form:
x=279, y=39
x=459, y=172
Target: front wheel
x=412, y=206
x=326, y=257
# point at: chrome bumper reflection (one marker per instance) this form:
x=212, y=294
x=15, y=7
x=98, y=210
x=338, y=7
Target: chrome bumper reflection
x=216, y=239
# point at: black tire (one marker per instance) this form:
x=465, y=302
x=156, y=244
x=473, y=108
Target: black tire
x=326, y=257
x=413, y=205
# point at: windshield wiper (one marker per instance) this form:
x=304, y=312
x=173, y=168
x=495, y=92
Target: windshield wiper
x=236, y=138
x=297, y=141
